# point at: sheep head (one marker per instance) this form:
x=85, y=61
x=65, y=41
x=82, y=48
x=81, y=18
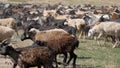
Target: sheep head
x=33, y=30
x=30, y=34
x=4, y=47
x=91, y=32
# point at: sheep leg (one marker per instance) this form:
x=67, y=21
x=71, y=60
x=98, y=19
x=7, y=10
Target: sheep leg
x=99, y=38
x=16, y=29
x=116, y=44
x=113, y=39
x=105, y=40
x=39, y=66
x=74, y=60
x=84, y=35
x=80, y=34
x=65, y=58
x=14, y=66
x=116, y=39
x=72, y=55
x=56, y=61
x=116, y=36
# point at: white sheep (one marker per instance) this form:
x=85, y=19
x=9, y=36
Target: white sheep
x=6, y=33
x=9, y=22
x=106, y=28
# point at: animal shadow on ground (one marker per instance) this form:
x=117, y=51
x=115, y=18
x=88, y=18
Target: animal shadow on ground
x=78, y=65
x=82, y=57
x=81, y=66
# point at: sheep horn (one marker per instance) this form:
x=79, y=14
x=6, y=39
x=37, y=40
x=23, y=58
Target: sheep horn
x=6, y=41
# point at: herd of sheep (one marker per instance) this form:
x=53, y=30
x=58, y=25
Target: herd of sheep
x=54, y=29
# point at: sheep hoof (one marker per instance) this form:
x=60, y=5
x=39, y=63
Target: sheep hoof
x=113, y=46
x=59, y=63
x=74, y=65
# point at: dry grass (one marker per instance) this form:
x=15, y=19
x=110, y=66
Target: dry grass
x=68, y=2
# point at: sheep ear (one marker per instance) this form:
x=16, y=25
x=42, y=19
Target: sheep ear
x=33, y=31
x=6, y=41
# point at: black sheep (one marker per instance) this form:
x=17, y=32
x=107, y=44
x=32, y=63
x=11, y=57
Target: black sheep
x=28, y=57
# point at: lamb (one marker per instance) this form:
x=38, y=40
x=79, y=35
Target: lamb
x=6, y=33
x=58, y=39
x=9, y=22
x=106, y=28
x=29, y=56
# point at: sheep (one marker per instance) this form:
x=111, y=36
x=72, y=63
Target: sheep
x=47, y=12
x=9, y=22
x=6, y=33
x=79, y=24
x=61, y=17
x=49, y=34
x=28, y=56
x=106, y=28
x=58, y=39
x=114, y=15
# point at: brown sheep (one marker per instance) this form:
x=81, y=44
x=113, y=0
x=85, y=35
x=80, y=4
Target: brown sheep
x=114, y=15
x=28, y=56
x=58, y=39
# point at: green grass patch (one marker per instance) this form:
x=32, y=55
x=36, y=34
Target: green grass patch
x=91, y=55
